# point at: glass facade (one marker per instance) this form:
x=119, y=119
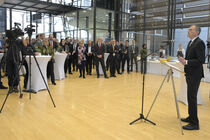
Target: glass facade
x=146, y=21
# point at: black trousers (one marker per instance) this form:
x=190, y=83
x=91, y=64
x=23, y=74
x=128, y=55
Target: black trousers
x=112, y=65
x=125, y=58
x=143, y=66
x=101, y=60
x=108, y=62
x=89, y=63
x=117, y=63
x=50, y=70
x=74, y=61
x=67, y=64
x=82, y=68
x=13, y=74
x=192, y=91
x=134, y=58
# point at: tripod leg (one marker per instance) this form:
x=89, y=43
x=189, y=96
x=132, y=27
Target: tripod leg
x=44, y=80
x=157, y=94
x=177, y=107
x=4, y=102
x=149, y=121
x=16, y=76
x=135, y=121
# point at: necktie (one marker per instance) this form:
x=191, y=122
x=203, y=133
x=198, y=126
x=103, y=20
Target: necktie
x=51, y=43
x=100, y=48
x=188, y=46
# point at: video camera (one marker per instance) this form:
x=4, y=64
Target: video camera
x=29, y=30
x=15, y=32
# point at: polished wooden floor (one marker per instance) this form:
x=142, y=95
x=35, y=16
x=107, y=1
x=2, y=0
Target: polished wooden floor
x=100, y=109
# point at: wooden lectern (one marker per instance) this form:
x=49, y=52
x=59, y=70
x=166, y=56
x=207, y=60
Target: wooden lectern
x=169, y=74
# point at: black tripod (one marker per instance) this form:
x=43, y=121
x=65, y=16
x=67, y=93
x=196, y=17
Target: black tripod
x=142, y=105
x=30, y=52
x=42, y=78
x=141, y=117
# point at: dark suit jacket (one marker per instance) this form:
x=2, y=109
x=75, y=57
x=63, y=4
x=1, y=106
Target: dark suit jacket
x=115, y=50
x=195, y=55
x=92, y=48
x=97, y=52
x=55, y=45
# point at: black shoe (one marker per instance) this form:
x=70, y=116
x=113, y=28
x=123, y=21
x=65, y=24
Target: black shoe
x=98, y=76
x=191, y=127
x=70, y=73
x=80, y=76
x=119, y=73
x=3, y=87
x=185, y=120
x=83, y=76
x=53, y=83
x=15, y=89
x=90, y=73
x=106, y=77
x=10, y=90
x=114, y=76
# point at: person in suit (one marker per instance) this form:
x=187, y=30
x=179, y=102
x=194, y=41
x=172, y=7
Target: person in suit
x=193, y=67
x=112, y=55
x=90, y=50
x=118, y=55
x=99, y=57
x=69, y=51
x=126, y=56
x=52, y=43
x=143, y=53
x=134, y=54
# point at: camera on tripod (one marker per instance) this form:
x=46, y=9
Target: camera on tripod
x=29, y=30
x=15, y=32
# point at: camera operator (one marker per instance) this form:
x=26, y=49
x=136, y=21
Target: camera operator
x=13, y=60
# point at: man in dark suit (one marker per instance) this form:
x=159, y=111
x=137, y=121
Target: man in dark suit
x=52, y=42
x=69, y=51
x=126, y=56
x=193, y=67
x=134, y=54
x=99, y=54
x=112, y=56
x=89, y=52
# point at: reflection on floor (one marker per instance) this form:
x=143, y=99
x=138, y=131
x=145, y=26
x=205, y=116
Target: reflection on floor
x=99, y=109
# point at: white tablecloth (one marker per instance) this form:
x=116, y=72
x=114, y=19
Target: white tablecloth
x=37, y=83
x=100, y=68
x=59, y=65
x=155, y=67
x=182, y=93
